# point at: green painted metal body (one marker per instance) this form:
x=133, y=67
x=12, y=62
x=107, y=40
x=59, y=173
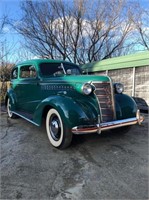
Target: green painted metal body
x=125, y=106
x=33, y=96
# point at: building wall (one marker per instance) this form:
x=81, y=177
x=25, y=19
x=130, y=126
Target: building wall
x=142, y=83
x=125, y=76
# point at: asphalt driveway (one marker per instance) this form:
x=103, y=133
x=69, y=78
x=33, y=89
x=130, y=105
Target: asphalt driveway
x=106, y=166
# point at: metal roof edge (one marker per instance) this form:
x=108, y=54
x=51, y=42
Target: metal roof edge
x=134, y=60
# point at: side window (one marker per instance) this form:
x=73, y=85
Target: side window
x=27, y=71
x=14, y=74
x=33, y=73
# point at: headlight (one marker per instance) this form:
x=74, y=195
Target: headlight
x=119, y=88
x=87, y=88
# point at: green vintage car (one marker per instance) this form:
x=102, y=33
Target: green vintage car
x=70, y=102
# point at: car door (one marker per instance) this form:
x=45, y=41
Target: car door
x=13, y=85
x=28, y=90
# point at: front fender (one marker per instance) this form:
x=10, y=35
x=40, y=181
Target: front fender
x=125, y=106
x=72, y=112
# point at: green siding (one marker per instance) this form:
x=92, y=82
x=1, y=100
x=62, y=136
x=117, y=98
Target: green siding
x=134, y=60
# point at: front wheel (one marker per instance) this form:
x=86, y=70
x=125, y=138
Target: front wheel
x=59, y=135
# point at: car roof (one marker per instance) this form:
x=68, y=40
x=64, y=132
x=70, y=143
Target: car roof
x=39, y=61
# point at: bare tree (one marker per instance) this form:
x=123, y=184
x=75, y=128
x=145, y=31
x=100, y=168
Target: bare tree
x=5, y=46
x=79, y=31
x=5, y=50
x=3, y=21
x=141, y=23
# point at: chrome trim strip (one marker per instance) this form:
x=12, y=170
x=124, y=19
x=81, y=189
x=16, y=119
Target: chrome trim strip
x=98, y=99
x=104, y=126
x=119, y=123
x=25, y=118
x=113, y=99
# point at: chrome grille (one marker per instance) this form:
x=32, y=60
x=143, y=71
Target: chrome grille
x=104, y=95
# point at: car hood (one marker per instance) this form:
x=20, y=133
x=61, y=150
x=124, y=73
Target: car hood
x=77, y=79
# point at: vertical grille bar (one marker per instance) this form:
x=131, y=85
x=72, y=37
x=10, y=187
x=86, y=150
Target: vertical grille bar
x=104, y=95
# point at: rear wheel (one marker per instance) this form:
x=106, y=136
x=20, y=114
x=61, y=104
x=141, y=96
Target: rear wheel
x=59, y=135
x=10, y=113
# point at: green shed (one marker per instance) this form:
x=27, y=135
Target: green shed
x=131, y=70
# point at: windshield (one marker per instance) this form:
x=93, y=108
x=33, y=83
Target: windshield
x=58, y=69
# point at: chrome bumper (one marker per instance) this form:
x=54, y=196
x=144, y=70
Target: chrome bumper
x=84, y=129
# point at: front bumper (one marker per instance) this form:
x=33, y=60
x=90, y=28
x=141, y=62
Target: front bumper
x=84, y=129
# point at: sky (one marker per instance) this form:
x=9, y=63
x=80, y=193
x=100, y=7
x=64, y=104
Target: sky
x=10, y=37
x=12, y=9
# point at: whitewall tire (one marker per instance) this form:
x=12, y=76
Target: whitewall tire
x=58, y=134
x=10, y=113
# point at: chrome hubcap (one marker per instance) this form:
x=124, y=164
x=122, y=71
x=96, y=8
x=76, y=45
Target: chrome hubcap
x=55, y=127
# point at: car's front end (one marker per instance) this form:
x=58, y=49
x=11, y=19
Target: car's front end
x=114, y=109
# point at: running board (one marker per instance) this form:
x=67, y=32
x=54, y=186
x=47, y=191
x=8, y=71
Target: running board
x=25, y=116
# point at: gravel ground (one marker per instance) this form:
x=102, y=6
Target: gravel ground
x=106, y=166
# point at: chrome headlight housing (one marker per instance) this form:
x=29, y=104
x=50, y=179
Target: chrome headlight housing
x=119, y=88
x=87, y=88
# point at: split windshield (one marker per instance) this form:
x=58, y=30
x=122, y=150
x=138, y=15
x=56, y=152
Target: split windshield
x=59, y=69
